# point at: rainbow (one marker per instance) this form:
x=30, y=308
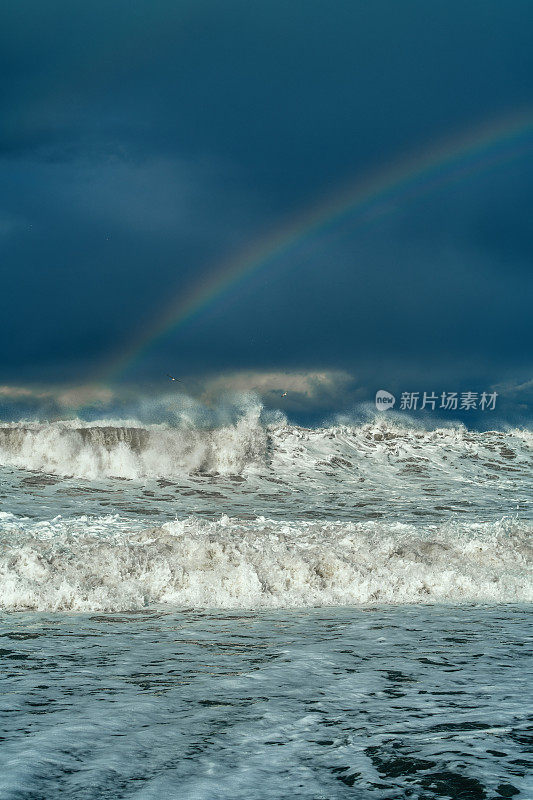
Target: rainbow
x=449, y=160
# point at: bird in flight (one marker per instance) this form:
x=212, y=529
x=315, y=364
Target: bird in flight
x=284, y=394
x=172, y=378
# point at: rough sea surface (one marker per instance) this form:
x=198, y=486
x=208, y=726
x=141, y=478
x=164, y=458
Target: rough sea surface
x=259, y=610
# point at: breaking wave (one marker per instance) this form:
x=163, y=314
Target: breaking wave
x=130, y=450
x=264, y=563
x=379, y=513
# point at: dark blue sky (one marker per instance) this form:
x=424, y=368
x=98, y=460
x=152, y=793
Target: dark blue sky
x=143, y=142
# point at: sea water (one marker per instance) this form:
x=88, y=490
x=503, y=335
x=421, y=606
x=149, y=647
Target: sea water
x=264, y=611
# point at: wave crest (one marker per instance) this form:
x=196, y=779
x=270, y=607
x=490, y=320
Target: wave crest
x=130, y=450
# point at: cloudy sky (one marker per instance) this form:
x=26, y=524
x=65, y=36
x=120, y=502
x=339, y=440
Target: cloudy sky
x=144, y=144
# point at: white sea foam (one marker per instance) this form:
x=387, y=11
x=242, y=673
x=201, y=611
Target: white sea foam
x=380, y=513
x=129, y=450
x=92, y=564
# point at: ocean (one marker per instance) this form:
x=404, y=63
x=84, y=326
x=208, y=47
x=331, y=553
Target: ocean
x=254, y=609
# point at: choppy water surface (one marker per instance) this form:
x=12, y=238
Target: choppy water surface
x=406, y=702
x=370, y=638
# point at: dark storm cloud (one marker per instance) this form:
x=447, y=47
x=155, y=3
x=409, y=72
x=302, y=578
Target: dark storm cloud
x=143, y=142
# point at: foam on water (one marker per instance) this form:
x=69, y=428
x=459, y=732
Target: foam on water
x=380, y=703
x=253, y=514
x=130, y=450
x=373, y=651
x=97, y=564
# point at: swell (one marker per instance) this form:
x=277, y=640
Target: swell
x=231, y=564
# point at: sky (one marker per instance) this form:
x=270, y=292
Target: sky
x=146, y=144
